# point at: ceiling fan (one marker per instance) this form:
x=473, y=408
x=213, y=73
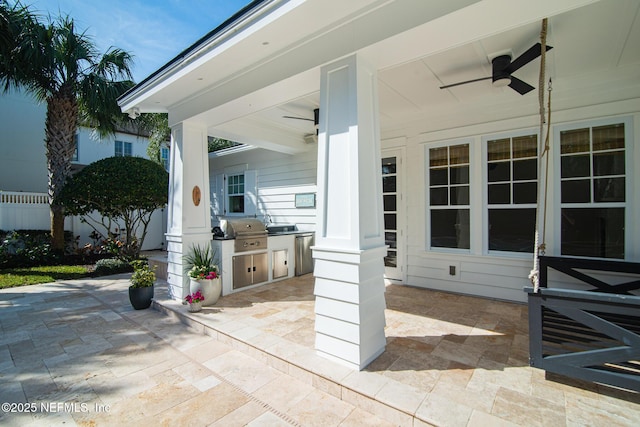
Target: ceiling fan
x=311, y=137
x=315, y=120
x=503, y=67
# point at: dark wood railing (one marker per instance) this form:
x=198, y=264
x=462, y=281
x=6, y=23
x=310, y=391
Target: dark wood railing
x=593, y=334
x=571, y=267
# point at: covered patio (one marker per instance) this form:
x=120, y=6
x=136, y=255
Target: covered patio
x=449, y=360
x=325, y=89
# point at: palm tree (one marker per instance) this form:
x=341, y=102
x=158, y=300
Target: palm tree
x=63, y=69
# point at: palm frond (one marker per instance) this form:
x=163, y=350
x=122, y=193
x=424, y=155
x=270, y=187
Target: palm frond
x=115, y=64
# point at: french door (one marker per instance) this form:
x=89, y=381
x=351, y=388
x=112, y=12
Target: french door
x=393, y=205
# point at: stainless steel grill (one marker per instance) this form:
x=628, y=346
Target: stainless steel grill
x=249, y=233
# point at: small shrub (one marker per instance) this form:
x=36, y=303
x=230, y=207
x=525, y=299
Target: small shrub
x=108, y=266
x=26, y=248
x=142, y=188
x=143, y=274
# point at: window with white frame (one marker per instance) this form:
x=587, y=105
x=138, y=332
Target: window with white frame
x=75, y=148
x=123, y=149
x=512, y=188
x=235, y=193
x=164, y=157
x=449, y=196
x=593, y=190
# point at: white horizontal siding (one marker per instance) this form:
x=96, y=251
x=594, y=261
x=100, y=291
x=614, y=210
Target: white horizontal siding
x=279, y=178
x=495, y=275
x=490, y=277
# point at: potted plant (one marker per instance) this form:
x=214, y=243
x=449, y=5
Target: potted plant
x=141, y=289
x=195, y=301
x=203, y=273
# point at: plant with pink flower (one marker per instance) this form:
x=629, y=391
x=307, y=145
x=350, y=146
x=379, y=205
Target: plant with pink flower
x=194, y=297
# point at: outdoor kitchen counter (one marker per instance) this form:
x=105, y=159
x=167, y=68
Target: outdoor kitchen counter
x=276, y=233
x=286, y=233
x=280, y=254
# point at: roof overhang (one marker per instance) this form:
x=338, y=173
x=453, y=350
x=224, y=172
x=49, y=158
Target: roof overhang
x=264, y=63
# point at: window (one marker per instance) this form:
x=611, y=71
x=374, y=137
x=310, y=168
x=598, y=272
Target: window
x=389, y=197
x=75, y=149
x=235, y=193
x=123, y=149
x=592, y=191
x=449, y=196
x=512, y=189
x=164, y=157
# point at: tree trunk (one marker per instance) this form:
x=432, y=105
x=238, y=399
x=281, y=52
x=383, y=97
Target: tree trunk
x=57, y=227
x=60, y=128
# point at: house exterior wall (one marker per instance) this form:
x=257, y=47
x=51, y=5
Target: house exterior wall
x=279, y=177
x=479, y=272
x=23, y=163
x=91, y=150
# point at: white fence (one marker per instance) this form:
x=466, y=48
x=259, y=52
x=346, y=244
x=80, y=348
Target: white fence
x=30, y=211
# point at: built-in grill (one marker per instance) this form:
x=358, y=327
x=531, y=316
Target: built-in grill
x=249, y=233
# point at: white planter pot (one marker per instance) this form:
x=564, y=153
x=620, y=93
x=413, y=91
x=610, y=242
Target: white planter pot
x=195, y=307
x=210, y=289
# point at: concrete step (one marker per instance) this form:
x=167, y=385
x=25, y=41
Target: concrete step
x=159, y=260
x=298, y=362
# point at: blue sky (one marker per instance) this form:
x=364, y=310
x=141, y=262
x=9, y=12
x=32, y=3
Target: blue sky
x=153, y=31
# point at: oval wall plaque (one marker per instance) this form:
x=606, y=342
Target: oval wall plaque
x=195, y=194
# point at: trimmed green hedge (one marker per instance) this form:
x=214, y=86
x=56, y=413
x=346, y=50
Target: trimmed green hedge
x=108, y=266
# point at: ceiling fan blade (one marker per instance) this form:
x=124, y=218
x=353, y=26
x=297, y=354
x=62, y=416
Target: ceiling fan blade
x=297, y=118
x=464, y=83
x=520, y=86
x=532, y=53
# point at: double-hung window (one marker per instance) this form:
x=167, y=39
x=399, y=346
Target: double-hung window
x=123, y=149
x=76, y=151
x=449, y=196
x=235, y=193
x=512, y=188
x=593, y=190
x=164, y=157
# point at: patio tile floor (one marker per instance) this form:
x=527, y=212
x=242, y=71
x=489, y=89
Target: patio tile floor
x=83, y=356
x=450, y=360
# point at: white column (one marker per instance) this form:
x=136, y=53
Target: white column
x=350, y=247
x=189, y=216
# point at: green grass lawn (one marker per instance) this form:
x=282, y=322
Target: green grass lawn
x=11, y=277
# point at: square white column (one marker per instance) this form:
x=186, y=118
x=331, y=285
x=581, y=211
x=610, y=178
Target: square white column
x=189, y=213
x=350, y=246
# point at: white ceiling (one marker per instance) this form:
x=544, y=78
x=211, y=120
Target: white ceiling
x=595, y=41
x=600, y=37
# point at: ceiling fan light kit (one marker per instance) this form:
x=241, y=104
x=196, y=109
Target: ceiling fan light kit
x=500, y=76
